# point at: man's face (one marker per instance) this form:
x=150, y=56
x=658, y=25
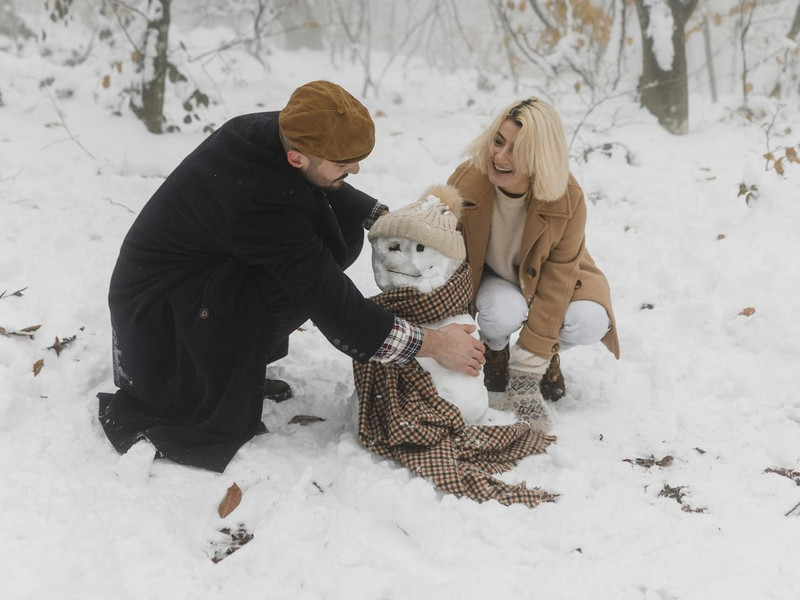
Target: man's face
x=326, y=174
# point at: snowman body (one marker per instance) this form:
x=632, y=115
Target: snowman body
x=403, y=262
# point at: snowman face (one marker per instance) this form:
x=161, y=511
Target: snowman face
x=400, y=262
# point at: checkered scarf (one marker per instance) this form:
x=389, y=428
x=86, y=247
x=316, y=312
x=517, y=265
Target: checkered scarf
x=401, y=416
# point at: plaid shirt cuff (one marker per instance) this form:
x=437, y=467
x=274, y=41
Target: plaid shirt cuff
x=376, y=212
x=402, y=343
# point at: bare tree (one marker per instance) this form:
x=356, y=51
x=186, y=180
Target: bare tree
x=664, y=87
x=712, y=78
x=795, y=28
x=153, y=64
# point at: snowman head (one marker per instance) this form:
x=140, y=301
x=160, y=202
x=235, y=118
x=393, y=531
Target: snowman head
x=419, y=246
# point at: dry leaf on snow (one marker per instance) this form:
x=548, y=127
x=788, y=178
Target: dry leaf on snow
x=231, y=500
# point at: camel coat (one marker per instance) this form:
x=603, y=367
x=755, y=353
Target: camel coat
x=555, y=267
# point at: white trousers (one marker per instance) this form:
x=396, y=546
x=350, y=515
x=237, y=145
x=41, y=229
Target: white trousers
x=502, y=310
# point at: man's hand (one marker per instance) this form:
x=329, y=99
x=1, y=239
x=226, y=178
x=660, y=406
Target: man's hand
x=454, y=348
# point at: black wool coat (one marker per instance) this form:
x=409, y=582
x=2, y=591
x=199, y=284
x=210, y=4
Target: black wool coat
x=231, y=254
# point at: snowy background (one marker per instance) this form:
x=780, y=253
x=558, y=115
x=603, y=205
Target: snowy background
x=709, y=393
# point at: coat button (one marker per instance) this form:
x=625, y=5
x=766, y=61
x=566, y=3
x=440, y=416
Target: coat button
x=532, y=272
x=336, y=342
x=578, y=284
x=362, y=355
x=204, y=313
x=353, y=351
x=345, y=348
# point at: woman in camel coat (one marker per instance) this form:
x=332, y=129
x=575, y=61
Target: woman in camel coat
x=524, y=225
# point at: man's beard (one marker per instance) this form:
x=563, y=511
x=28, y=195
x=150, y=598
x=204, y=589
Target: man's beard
x=313, y=177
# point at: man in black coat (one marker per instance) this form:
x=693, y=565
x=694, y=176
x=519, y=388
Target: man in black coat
x=243, y=242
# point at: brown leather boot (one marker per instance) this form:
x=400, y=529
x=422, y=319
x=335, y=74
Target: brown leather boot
x=552, y=385
x=495, y=370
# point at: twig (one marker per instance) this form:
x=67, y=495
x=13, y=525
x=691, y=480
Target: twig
x=794, y=508
x=246, y=40
x=18, y=293
x=110, y=201
x=588, y=112
x=64, y=124
x=529, y=53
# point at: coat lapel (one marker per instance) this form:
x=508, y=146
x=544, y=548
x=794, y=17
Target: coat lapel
x=535, y=223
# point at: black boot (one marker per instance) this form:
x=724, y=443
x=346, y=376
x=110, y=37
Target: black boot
x=276, y=390
x=552, y=385
x=495, y=370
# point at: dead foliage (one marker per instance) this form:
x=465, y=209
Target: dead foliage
x=18, y=293
x=234, y=539
x=793, y=475
x=59, y=345
x=650, y=461
x=26, y=332
x=231, y=500
x=677, y=494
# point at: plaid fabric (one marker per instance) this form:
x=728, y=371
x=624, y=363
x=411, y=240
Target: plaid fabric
x=402, y=343
x=401, y=417
x=376, y=212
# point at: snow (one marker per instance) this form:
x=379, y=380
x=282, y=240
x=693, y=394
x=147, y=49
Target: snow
x=697, y=381
x=660, y=30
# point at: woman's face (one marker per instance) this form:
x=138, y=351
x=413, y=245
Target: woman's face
x=502, y=170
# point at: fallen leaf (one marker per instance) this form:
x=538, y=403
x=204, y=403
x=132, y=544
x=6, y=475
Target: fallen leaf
x=379, y=113
x=748, y=311
x=37, y=366
x=721, y=236
x=59, y=345
x=17, y=293
x=231, y=500
x=304, y=419
x=25, y=332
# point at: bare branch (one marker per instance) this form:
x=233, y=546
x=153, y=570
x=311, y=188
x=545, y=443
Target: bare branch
x=64, y=124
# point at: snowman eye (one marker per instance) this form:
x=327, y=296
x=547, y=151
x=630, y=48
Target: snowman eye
x=420, y=248
x=394, y=247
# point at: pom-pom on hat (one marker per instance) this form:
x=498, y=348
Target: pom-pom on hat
x=322, y=119
x=431, y=221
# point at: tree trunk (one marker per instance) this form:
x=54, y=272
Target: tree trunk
x=665, y=93
x=795, y=29
x=151, y=110
x=712, y=79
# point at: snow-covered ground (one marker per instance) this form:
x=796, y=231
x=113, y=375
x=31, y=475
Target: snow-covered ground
x=698, y=381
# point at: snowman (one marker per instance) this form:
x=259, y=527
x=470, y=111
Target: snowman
x=420, y=246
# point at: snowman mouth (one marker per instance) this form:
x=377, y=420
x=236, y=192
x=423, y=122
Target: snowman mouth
x=501, y=170
x=403, y=273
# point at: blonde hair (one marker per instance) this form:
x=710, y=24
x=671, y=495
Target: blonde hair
x=540, y=149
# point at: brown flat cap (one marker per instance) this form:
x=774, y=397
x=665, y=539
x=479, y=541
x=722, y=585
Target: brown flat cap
x=322, y=119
